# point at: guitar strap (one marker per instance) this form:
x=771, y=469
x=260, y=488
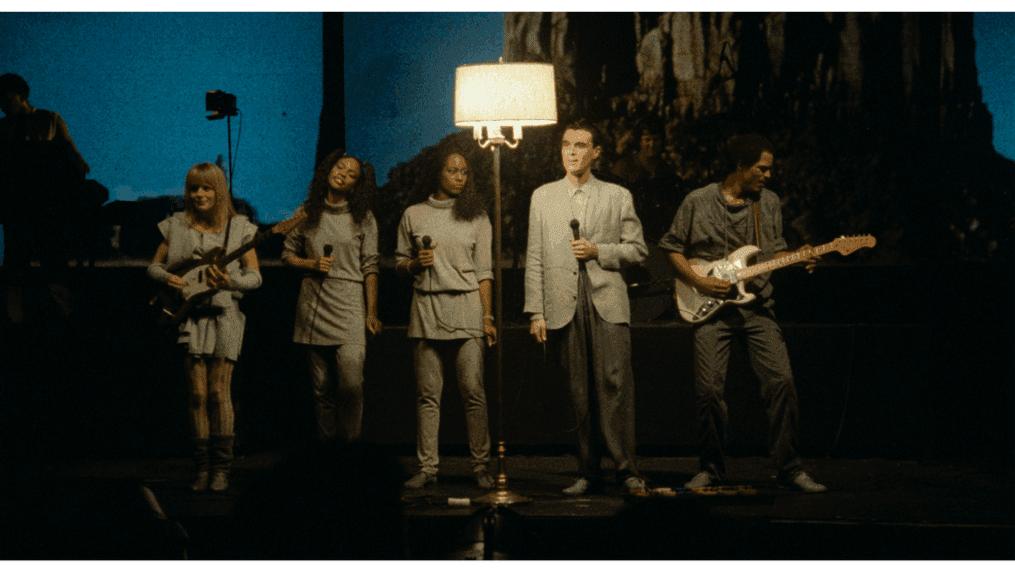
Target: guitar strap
x=757, y=241
x=757, y=225
x=229, y=225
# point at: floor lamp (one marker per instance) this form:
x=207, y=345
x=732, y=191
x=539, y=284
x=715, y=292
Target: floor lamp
x=494, y=96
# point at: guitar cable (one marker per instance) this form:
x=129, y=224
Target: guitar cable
x=320, y=293
x=441, y=324
x=845, y=401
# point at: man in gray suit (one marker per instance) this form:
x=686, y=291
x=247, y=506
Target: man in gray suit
x=582, y=231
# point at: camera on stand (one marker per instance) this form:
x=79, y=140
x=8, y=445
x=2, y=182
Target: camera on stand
x=220, y=104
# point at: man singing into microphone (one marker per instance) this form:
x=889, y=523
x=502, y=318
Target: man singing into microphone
x=582, y=231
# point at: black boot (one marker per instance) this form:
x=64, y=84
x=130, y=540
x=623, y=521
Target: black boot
x=221, y=460
x=201, y=461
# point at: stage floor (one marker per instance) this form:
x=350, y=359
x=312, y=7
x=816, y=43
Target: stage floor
x=874, y=508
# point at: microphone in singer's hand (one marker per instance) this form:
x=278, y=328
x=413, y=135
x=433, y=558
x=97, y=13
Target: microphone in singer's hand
x=574, y=227
x=426, y=246
x=327, y=250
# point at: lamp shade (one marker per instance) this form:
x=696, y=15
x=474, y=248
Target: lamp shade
x=519, y=94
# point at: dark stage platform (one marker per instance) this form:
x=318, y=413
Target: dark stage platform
x=874, y=509
x=888, y=365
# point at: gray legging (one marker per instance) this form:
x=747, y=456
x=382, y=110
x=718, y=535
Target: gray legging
x=339, y=404
x=429, y=356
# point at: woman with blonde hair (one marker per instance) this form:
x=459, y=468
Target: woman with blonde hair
x=213, y=330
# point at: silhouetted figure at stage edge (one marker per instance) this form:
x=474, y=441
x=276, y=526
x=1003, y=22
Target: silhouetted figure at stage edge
x=40, y=170
x=711, y=223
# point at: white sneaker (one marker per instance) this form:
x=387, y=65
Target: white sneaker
x=634, y=483
x=700, y=480
x=420, y=480
x=801, y=481
x=579, y=488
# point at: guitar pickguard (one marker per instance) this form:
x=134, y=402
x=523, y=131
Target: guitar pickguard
x=695, y=306
x=195, y=282
x=724, y=270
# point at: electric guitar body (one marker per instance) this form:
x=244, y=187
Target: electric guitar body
x=696, y=307
x=176, y=304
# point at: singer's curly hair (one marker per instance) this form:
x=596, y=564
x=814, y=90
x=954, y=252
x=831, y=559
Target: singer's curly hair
x=469, y=205
x=359, y=197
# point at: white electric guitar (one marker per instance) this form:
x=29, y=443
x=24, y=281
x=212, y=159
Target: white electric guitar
x=696, y=307
x=176, y=304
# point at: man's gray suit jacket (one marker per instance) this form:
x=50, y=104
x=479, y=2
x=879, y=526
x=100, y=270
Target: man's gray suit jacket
x=551, y=270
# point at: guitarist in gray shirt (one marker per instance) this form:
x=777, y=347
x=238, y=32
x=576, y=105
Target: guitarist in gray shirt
x=711, y=223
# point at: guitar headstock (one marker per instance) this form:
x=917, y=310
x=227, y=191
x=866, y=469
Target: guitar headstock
x=286, y=226
x=846, y=245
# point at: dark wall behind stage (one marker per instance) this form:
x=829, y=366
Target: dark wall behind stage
x=887, y=364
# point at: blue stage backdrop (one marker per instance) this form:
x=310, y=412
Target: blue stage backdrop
x=131, y=88
x=400, y=78
x=994, y=33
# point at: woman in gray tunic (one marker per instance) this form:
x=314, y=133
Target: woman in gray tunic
x=337, y=246
x=445, y=243
x=213, y=330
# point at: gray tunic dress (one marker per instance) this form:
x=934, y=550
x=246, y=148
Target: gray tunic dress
x=445, y=301
x=331, y=309
x=446, y=306
x=214, y=328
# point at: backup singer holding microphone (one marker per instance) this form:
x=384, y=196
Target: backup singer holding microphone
x=337, y=245
x=445, y=243
x=212, y=331
x=582, y=231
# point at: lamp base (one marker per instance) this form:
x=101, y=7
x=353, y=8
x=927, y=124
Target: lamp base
x=502, y=496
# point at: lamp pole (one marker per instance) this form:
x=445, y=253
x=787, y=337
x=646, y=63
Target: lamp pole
x=498, y=294
x=491, y=96
x=501, y=496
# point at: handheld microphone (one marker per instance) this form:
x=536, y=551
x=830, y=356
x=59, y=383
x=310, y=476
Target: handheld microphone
x=574, y=230
x=426, y=246
x=327, y=252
